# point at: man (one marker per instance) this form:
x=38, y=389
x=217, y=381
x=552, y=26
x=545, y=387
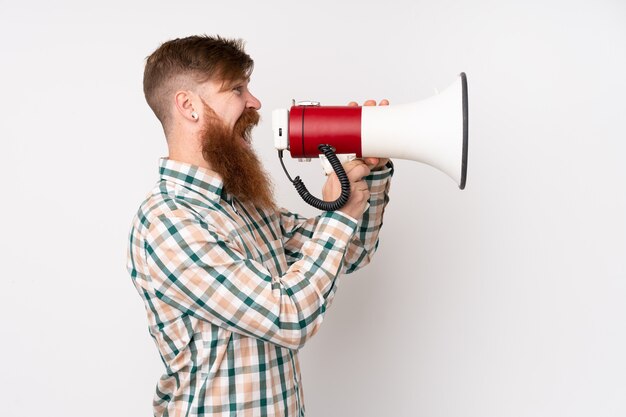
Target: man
x=234, y=286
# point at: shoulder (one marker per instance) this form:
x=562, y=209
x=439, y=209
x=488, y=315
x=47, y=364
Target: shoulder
x=170, y=204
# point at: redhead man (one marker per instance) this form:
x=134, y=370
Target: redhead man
x=233, y=285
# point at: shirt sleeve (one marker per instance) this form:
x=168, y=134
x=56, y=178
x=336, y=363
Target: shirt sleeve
x=364, y=242
x=297, y=230
x=196, y=270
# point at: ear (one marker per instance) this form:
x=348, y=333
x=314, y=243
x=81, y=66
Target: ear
x=184, y=101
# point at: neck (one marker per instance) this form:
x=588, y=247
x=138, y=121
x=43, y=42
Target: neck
x=186, y=149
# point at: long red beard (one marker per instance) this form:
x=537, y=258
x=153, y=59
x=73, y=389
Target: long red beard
x=235, y=161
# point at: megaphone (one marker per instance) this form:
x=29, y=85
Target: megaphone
x=433, y=131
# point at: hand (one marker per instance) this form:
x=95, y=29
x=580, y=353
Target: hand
x=359, y=191
x=373, y=163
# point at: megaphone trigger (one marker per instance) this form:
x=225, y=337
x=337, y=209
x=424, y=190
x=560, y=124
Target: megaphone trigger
x=343, y=158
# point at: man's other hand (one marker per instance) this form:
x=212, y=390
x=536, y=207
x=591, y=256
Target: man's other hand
x=359, y=191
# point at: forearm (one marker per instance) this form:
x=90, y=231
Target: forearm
x=296, y=230
x=364, y=243
x=209, y=279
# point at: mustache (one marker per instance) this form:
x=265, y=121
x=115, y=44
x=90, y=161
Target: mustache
x=246, y=122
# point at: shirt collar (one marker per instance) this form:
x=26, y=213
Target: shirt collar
x=201, y=180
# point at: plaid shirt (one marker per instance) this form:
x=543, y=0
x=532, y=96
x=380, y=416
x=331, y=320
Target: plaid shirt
x=232, y=292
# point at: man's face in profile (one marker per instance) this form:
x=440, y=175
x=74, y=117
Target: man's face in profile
x=229, y=99
x=226, y=143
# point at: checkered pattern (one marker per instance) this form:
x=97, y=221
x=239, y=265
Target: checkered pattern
x=232, y=292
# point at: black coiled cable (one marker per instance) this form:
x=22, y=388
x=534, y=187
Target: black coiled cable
x=328, y=151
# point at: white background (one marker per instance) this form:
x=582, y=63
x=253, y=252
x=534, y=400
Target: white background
x=506, y=299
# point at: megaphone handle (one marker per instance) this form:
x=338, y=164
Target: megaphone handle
x=341, y=175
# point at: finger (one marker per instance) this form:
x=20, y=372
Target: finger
x=370, y=103
x=371, y=162
x=353, y=103
x=361, y=186
x=384, y=102
x=350, y=165
x=357, y=172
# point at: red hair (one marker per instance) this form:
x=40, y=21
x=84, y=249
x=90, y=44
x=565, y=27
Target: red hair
x=185, y=63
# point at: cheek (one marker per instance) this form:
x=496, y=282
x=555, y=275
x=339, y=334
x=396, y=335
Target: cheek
x=235, y=116
x=231, y=111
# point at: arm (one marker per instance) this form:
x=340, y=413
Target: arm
x=297, y=230
x=198, y=271
x=364, y=243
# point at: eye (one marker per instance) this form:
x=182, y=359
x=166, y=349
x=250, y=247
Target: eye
x=238, y=89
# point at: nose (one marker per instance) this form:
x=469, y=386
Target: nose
x=253, y=102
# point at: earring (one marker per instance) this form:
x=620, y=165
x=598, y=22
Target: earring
x=194, y=115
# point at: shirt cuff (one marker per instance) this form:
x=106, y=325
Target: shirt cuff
x=377, y=180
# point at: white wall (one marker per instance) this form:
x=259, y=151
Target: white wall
x=506, y=299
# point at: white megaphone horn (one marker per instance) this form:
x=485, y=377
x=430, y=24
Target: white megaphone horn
x=433, y=131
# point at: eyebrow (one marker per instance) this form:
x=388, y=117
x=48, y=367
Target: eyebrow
x=226, y=85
